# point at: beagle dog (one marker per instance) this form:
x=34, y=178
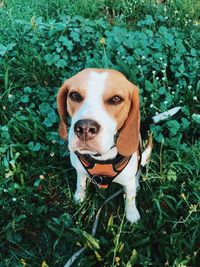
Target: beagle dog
x=104, y=136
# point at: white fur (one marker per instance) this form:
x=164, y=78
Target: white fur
x=92, y=108
x=146, y=155
x=127, y=178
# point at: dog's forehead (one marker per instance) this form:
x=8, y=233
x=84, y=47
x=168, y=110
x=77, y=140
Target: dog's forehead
x=96, y=82
x=99, y=79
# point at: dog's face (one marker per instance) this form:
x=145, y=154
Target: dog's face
x=101, y=103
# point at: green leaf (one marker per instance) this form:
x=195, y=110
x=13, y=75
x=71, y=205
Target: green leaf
x=91, y=241
x=148, y=86
x=75, y=36
x=2, y=50
x=147, y=21
x=198, y=85
x=37, y=182
x=49, y=59
x=193, y=52
x=16, y=186
x=110, y=223
x=181, y=68
x=66, y=42
x=55, y=58
x=45, y=108
x=61, y=63
x=20, y=217
x=185, y=123
x=34, y=147
x=27, y=90
x=157, y=133
x=10, y=46
x=51, y=118
x=173, y=127
x=133, y=259
x=66, y=218
x=48, y=123
x=171, y=175
x=24, y=99
x=196, y=118
x=60, y=26
x=161, y=18
x=59, y=49
x=162, y=91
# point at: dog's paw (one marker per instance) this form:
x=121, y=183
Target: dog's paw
x=132, y=214
x=79, y=196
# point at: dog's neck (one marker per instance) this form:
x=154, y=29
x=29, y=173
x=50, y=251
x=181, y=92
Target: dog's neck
x=111, y=154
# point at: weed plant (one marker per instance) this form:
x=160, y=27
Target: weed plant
x=156, y=46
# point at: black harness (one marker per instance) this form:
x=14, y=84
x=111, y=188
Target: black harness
x=103, y=172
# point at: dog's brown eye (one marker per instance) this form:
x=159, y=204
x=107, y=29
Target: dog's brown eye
x=115, y=100
x=75, y=96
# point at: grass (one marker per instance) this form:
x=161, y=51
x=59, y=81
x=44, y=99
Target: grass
x=40, y=223
x=124, y=12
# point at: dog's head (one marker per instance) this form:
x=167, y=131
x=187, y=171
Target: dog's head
x=101, y=103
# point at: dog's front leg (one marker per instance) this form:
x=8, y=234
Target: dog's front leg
x=132, y=213
x=80, y=187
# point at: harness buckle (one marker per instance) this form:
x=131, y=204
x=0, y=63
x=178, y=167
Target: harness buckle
x=97, y=180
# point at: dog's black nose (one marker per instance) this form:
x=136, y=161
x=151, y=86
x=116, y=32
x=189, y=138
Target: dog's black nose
x=86, y=129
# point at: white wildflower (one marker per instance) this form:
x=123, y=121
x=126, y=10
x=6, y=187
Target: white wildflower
x=8, y=174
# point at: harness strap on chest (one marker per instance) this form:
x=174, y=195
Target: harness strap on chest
x=102, y=173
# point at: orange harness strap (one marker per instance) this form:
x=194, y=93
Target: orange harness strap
x=102, y=173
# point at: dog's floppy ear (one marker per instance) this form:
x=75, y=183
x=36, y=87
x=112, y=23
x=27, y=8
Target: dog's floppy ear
x=128, y=140
x=62, y=109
